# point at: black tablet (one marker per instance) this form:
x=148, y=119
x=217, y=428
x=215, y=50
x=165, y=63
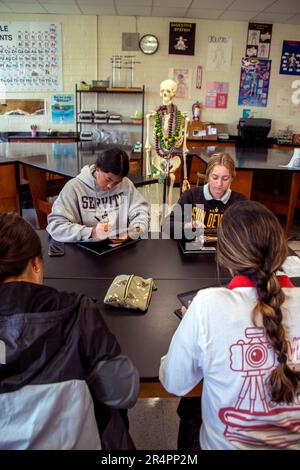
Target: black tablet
x=102, y=247
x=186, y=298
x=194, y=247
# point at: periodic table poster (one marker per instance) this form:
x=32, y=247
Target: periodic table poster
x=30, y=56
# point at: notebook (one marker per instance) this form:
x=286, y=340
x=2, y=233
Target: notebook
x=101, y=247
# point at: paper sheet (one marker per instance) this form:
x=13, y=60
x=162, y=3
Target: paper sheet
x=291, y=266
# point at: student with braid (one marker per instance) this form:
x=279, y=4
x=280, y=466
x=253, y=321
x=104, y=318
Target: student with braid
x=244, y=341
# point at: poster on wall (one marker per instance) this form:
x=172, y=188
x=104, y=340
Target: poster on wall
x=216, y=95
x=290, y=58
x=254, y=82
x=259, y=40
x=219, y=51
x=183, y=79
x=23, y=107
x=30, y=56
x=62, y=108
x=182, y=38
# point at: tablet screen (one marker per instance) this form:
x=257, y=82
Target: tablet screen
x=100, y=247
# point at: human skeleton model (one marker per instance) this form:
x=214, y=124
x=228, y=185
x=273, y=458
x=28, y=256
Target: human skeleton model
x=170, y=132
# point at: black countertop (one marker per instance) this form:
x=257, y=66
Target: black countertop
x=248, y=158
x=65, y=159
x=11, y=136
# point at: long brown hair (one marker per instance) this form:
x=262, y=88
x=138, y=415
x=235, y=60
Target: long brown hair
x=18, y=244
x=222, y=159
x=251, y=242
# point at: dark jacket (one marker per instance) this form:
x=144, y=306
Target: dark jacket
x=57, y=358
x=209, y=211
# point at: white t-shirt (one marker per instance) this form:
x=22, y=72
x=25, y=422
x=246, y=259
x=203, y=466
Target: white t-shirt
x=218, y=342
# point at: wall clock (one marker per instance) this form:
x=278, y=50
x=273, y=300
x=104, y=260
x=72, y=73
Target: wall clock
x=149, y=44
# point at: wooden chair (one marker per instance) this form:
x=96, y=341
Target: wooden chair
x=42, y=186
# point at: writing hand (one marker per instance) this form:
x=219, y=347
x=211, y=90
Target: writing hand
x=131, y=233
x=194, y=224
x=121, y=238
x=101, y=231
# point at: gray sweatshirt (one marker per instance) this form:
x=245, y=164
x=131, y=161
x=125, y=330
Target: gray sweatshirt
x=73, y=213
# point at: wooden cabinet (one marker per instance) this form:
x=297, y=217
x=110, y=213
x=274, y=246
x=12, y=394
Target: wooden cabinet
x=9, y=195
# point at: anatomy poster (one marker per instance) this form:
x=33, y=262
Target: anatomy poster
x=254, y=82
x=183, y=79
x=219, y=51
x=182, y=38
x=216, y=95
x=30, y=56
x=259, y=40
x=290, y=58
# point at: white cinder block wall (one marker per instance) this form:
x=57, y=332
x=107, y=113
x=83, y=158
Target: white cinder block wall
x=89, y=42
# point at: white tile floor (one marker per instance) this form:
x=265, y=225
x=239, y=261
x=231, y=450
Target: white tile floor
x=153, y=421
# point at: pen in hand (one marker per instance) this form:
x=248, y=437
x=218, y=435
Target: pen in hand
x=100, y=228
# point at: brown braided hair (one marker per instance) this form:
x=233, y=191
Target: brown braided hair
x=18, y=244
x=251, y=242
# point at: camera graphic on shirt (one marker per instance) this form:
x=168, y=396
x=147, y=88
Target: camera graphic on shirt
x=255, y=355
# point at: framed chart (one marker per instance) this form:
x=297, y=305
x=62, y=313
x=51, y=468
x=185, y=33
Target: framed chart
x=30, y=56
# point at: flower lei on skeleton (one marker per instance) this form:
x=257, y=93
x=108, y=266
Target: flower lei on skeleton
x=164, y=144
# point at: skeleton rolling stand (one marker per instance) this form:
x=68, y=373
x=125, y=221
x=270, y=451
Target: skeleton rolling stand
x=170, y=133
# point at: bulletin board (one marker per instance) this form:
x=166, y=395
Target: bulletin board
x=30, y=56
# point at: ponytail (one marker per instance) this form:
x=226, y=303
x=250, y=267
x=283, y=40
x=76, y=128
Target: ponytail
x=251, y=242
x=283, y=380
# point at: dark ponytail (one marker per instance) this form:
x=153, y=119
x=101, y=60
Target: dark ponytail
x=18, y=244
x=251, y=242
x=113, y=160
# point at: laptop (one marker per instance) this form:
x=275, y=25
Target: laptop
x=101, y=247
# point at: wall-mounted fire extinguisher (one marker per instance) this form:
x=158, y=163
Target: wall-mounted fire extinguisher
x=196, y=108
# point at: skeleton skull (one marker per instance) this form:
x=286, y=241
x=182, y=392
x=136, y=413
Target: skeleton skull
x=168, y=91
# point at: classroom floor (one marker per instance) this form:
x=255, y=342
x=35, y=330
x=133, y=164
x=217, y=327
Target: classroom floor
x=159, y=414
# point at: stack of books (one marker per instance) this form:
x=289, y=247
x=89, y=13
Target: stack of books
x=114, y=118
x=85, y=116
x=101, y=116
x=86, y=135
